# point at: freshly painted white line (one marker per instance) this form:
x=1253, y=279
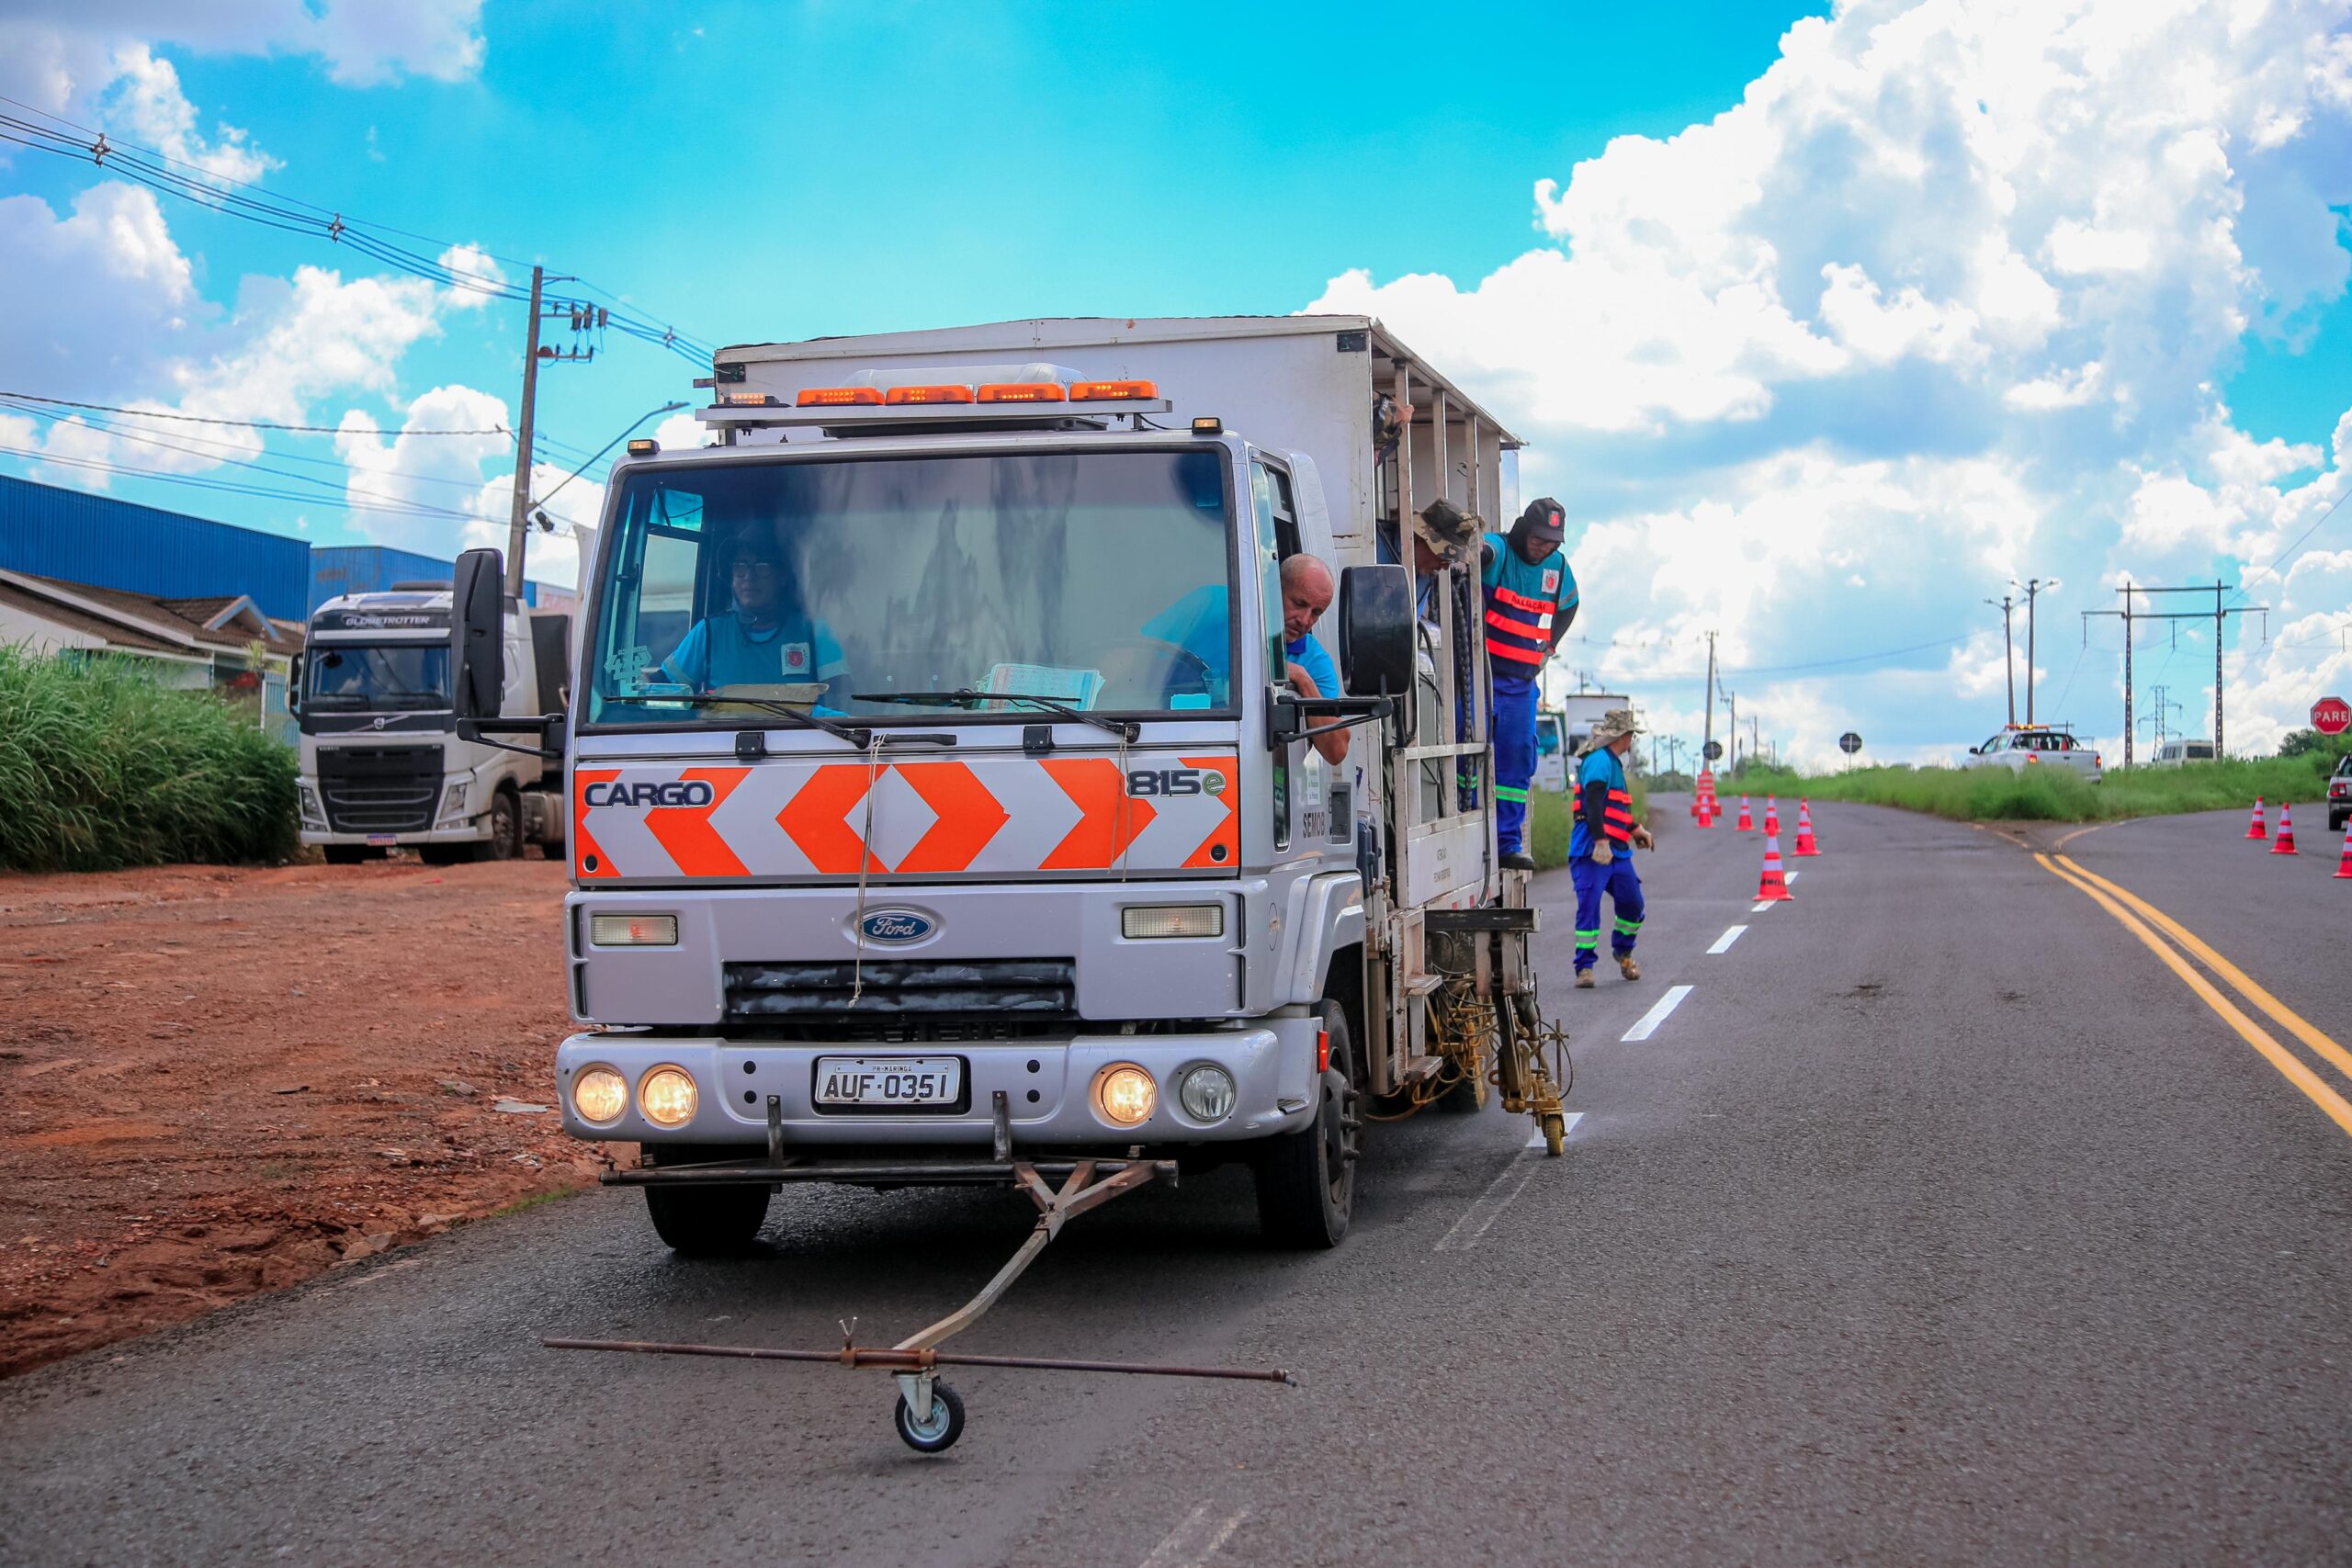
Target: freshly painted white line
x=1656, y=1015
x=1491, y=1204
x=1723, y=942
x=1567, y=1124
x=1195, y=1538
x=1765, y=908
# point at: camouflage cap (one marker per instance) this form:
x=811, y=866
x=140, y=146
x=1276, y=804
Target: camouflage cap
x=1447, y=529
x=1615, y=724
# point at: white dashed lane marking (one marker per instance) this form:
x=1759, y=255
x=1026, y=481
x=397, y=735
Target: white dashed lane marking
x=1195, y=1539
x=1656, y=1015
x=1723, y=942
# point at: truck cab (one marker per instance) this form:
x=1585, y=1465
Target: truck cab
x=381, y=766
x=940, y=800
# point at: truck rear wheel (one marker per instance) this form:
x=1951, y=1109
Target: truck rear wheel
x=704, y=1222
x=1307, y=1179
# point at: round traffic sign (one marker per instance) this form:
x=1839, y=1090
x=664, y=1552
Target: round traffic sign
x=1850, y=743
x=1715, y=749
x=2331, y=716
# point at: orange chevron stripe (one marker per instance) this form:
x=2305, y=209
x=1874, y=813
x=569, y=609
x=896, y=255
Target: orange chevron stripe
x=685, y=831
x=814, y=818
x=1227, y=832
x=583, y=845
x=969, y=816
x=1112, y=817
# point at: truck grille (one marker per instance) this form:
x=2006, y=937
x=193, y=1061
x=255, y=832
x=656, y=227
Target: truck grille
x=380, y=789
x=922, y=1000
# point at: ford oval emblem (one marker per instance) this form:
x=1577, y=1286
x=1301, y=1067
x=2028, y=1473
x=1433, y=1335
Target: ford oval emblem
x=896, y=927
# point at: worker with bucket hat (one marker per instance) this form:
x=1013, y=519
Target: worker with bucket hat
x=1600, y=847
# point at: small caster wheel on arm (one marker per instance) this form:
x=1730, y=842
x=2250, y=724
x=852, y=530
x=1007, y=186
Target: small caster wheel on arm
x=1556, y=1134
x=937, y=1428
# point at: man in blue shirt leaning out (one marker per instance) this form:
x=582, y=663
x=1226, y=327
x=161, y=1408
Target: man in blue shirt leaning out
x=1600, y=847
x=1197, y=623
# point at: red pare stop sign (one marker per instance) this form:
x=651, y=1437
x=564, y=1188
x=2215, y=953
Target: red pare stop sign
x=2331, y=716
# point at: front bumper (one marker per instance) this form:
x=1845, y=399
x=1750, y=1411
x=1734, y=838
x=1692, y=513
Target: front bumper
x=471, y=833
x=1047, y=1086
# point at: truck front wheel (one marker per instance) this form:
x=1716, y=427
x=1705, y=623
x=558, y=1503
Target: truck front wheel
x=1307, y=1179
x=708, y=1222
x=505, y=841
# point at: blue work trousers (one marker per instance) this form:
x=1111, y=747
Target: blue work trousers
x=1623, y=887
x=1514, y=760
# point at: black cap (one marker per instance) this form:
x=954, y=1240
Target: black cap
x=1544, y=515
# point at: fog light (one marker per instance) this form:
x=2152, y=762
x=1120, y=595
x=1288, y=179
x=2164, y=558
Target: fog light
x=1140, y=921
x=666, y=1095
x=632, y=931
x=601, y=1094
x=1125, y=1094
x=1206, y=1092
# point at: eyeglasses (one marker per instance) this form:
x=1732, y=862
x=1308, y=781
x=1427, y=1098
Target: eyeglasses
x=755, y=570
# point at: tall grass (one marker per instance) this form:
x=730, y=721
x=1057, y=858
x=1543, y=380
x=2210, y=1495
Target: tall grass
x=102, y=768
x=2057, y=795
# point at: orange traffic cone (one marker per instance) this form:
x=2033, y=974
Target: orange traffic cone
x=2344, y=870
x=1774, y=886
x=2286, y=844
x=1805, y=846
x=1746, y=824
x=2254, y=829
x=1772, y=815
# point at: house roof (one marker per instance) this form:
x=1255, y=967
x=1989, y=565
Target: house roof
x=148, y=624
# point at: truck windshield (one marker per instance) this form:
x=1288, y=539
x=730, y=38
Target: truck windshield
x=885, y=586
x=377, y=677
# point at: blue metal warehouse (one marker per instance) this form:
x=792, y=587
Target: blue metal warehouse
x=81, y=537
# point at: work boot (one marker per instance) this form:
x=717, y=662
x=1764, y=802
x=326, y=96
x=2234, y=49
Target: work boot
x=1517, y=860
x=1627, y=967
x=1584, y=979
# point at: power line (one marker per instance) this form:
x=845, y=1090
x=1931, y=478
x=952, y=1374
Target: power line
x=156, y=170
x=240, y=424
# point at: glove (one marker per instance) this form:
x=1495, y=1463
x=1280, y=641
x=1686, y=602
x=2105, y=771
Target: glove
x=1603, y=852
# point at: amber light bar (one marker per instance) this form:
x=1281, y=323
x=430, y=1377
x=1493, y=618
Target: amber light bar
x=1022, y=392
x=1111, y=391
x=928, y=395
x=838, y=397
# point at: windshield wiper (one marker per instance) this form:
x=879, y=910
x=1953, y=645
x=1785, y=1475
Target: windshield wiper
x=857, y=736
x=1126, y=730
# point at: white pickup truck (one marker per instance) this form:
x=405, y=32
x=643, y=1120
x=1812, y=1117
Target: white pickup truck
x=2020, y=746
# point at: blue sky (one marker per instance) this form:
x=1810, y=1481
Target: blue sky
x=1821, y=332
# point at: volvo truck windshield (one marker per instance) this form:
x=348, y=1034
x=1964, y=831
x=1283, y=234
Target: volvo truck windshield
x=350, y=677
x=888, y=586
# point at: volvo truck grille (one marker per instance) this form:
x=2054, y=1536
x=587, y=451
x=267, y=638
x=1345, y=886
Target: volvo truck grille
x=1009, y=995
x=380, y=789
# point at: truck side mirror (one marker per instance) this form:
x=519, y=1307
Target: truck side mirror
x=477, y=650
x=1377, y=630
x=294, y=683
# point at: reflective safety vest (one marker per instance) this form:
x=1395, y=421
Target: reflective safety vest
x=1520, y=602
x=1601, y=767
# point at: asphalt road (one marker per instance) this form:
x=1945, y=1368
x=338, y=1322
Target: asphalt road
x=1938, y=1222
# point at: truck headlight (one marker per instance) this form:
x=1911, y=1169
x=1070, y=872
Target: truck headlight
x=599, y=1094
x=313, y=814
x=1125, y=1094
x=1206, y=1092
x=1140, y=921
x=453, y=799
x=666, y=1095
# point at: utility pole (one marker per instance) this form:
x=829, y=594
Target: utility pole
x=518, y=521
x=2032, y=590
x=2129, y=613
x=1732, y=748
x=1709, y=737
x=583, y=318
x=2009, y=653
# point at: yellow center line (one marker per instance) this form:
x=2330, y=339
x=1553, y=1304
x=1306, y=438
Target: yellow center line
x=2285, y=1016
x=2289, y=1065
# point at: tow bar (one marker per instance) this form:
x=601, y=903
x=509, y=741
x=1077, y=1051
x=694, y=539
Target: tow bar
x=930, y=1415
